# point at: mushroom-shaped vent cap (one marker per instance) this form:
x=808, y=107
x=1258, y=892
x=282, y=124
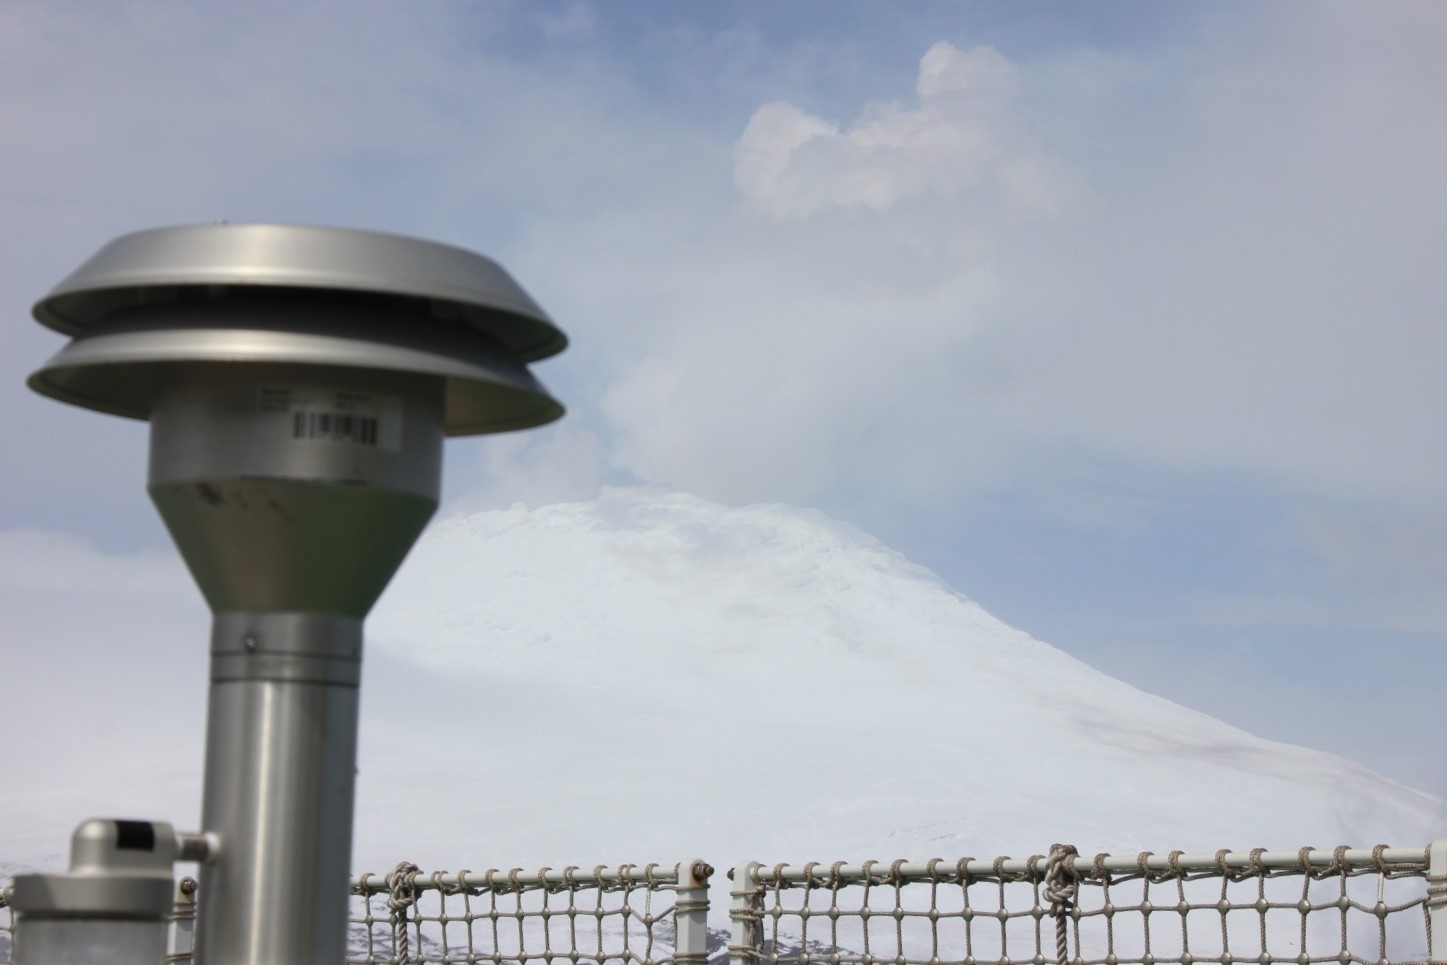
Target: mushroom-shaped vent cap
x=290, y=295
x=155, y=266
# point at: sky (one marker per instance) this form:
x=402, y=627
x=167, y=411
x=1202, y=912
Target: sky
x=1121, y=317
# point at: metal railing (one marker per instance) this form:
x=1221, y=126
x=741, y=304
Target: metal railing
x=1379, y=906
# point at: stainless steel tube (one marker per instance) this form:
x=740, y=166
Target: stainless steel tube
x=280, y=770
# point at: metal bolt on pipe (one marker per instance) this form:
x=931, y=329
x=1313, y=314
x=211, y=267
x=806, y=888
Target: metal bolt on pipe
x=299, y=382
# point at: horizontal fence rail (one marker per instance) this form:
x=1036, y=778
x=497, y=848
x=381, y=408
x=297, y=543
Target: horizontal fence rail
x=1103, y=865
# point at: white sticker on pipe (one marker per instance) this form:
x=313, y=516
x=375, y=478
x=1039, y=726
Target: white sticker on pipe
x=334, y=416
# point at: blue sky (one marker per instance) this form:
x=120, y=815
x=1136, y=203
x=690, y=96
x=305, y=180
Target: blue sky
x=1123, y=317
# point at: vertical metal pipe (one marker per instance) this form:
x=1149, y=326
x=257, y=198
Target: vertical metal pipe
x=281, y=751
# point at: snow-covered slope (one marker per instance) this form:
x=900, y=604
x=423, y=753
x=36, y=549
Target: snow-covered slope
x=648, y=677
x=651, y=678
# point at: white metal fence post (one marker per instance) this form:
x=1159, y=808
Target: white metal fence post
x=1437, y=901
x=690, y=911
x=746, y=934
x=181, y=923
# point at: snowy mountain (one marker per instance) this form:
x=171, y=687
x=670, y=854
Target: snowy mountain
x=650, y=677
x=653, y=678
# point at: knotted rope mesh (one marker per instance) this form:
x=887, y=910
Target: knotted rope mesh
x=623, y=915
x=1226, y=908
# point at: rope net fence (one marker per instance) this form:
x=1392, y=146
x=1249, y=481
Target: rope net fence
x=627, y=915
x=1371, y=907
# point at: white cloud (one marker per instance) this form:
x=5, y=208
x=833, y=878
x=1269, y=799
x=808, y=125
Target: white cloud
x=1217, y=255
x=792, y=164
x=1222, y=254
x=945, y=69
x=1228, y=264
x=767, y=146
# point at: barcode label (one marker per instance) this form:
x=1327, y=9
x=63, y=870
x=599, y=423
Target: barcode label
x=335, y=427
x=311, y=414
